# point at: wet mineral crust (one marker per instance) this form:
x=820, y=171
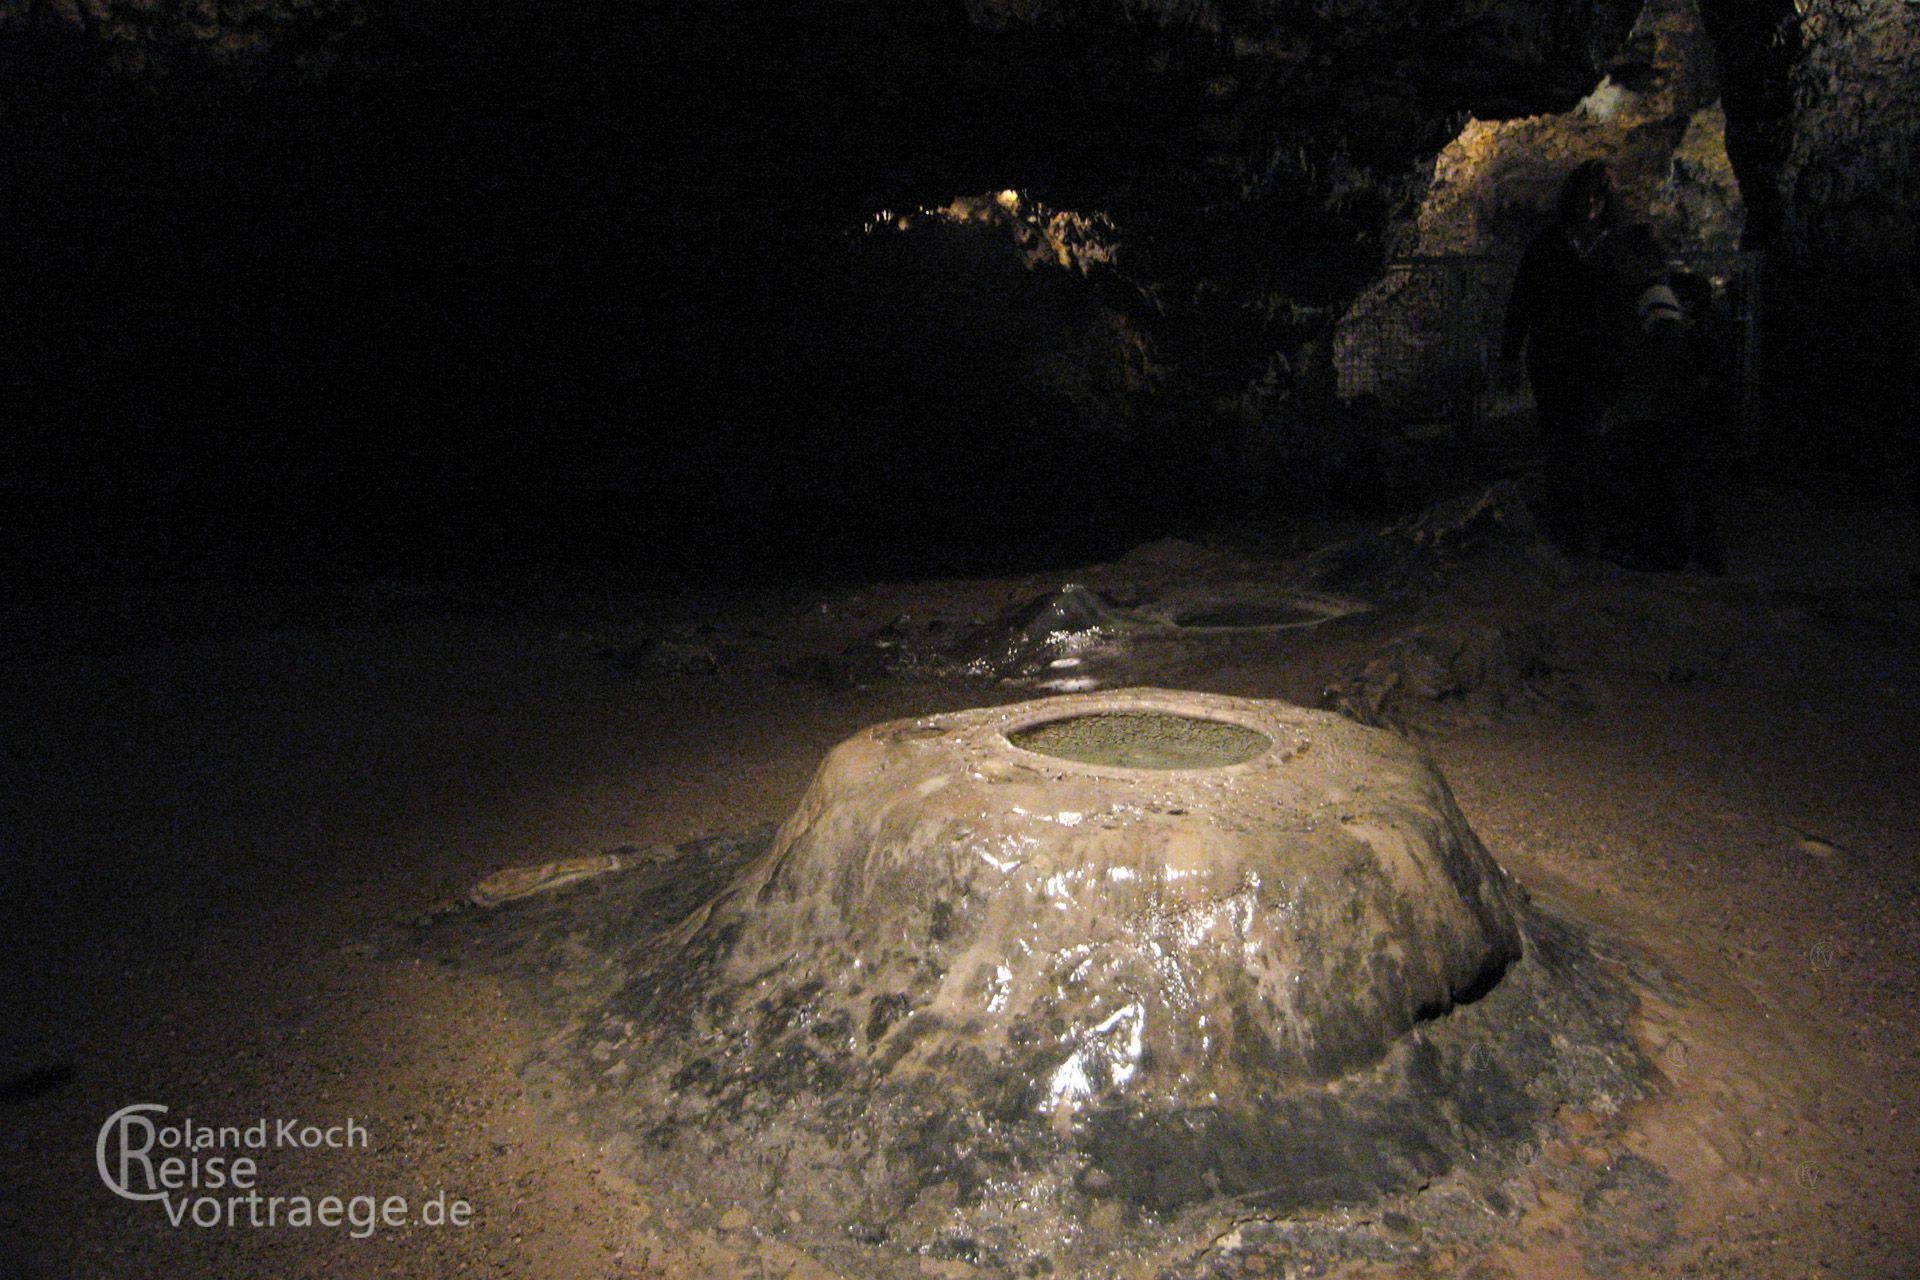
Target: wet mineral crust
x=1070, y=986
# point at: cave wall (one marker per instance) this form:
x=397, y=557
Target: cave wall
x=1656, y=117
x=1285, y=149
x=1825, y=136
x=1766, y=126
x=491, y=271
x=1854, y=142
x=626, y=246
x=137, y=36
x=1419, y=342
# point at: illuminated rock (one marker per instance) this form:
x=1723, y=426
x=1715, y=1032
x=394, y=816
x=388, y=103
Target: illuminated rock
x=1419, y=338
x=1244, y=894
x=1123, y=961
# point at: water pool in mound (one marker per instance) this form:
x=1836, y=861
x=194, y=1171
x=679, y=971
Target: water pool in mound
x=1143, y=740
x=1248, y=606
x=1271, y=614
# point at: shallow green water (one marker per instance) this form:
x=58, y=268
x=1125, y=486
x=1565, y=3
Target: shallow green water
x=1143, y=740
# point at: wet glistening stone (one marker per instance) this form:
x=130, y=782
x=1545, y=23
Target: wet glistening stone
x=1054, y=984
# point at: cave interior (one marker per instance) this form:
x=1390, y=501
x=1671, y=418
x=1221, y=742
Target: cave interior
x=445, y=437
x=440, y=287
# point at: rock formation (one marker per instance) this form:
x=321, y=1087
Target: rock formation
x=1061, y=984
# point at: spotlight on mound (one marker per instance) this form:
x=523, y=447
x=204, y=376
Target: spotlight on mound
x=1062, y=987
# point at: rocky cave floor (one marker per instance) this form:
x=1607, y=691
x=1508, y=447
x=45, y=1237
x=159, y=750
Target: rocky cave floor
x=221, y=793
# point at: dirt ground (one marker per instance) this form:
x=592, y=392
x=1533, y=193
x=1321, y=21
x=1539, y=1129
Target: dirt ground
x=217, y=793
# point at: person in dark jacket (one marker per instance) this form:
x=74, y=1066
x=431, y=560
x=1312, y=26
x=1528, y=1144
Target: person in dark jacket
x=1651, y=472
x=1555, y=315
x=1651, y=410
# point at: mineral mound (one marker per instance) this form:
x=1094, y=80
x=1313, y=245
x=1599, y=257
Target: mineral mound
x=1062, y=987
